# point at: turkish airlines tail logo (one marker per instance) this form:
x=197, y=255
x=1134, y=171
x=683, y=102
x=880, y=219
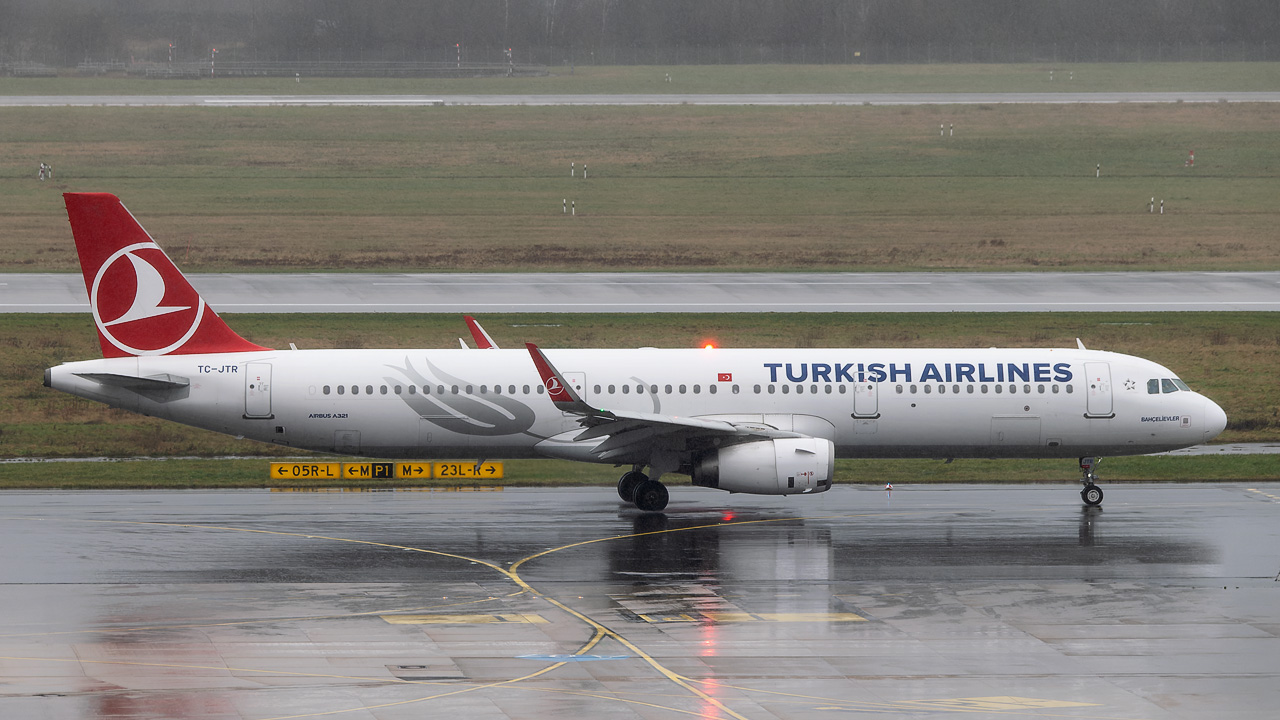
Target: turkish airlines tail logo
x=141, y=302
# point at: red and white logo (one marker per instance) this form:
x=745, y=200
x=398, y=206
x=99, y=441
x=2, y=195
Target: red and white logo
x=553, y=386
x=141, y=303
x=724, y=377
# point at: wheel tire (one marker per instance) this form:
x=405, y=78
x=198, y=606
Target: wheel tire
x=628, y=483
x=1091, y=495
x=651, y=496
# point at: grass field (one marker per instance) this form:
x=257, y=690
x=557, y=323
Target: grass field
x=680, y=187
x=1029, y=77
x=1231, y=357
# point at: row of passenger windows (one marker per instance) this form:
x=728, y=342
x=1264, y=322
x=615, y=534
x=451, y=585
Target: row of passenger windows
x=997, y=389
x=1169, y=385
x=428, y=389
x=713, y=389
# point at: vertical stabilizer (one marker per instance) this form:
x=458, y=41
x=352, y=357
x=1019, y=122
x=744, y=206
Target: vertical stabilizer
x=142, y=304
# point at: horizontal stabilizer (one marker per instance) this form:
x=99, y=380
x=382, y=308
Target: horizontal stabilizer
x=155, y=383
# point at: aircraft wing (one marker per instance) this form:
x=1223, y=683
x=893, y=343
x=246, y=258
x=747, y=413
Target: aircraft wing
x=632, y=436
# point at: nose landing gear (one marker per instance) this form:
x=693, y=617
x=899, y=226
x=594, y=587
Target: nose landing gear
x=1091, y=494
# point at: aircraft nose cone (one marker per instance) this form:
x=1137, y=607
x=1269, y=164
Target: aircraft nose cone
x=1215, y=420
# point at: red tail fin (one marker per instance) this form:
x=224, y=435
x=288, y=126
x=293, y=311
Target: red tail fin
x=141, y=303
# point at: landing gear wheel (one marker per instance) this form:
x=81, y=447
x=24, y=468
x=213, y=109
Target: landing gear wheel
x=628, y=483
x=651, y=496
x=1091, y=495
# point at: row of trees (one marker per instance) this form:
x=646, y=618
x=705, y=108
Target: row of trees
x=64, y=32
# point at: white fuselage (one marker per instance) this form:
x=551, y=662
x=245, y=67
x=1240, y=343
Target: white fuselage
x=490, y=403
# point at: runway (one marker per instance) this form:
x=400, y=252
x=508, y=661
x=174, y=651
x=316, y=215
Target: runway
x=633, y=99
x=927, y=602
x=691, y=292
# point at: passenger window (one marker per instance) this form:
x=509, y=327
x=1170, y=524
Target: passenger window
x=898, y=389
x=756, y=389
x=799, y=389
x=469, y=389
x=1055, y=389
x=1168, y=386
x=828, y=387
x=398, y=388
x=913, y=389
x=382, y=390
x=697, y=389
x=626, y=389
x=928, y=389
x=524, y=389
x=413, y=389
x=667, y=389
x=684, y=389
x=942, y=389
x=956, y=389
x=841, y=389
x=653, y=389
x=999, y=389
x=1013, y=389
x=540, y=389
x=1040, y=389
x=484, y=389
x=711, y=389
x=511, y=390
x=1027, y=389
x=596, y=390
x=340, y=389
x=355, y=389
x=786, y=389
x=770, y=389
x=813, y=389
x=1070, y=389
x=1153, y=387
x=969, y=389
x=735, y=389
x=368, y=389
x=326, y=389
x=454, y=389
x=612, y=389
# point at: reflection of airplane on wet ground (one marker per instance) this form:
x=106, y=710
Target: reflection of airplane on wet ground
x=755, y=421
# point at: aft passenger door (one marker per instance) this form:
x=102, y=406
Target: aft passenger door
x=257, y=390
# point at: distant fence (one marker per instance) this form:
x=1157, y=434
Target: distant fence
x=28, y=69
x=243, y=69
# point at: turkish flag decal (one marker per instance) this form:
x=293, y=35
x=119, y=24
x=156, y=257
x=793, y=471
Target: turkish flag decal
x=724, y=377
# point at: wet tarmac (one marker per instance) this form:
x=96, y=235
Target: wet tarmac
x=932, y=601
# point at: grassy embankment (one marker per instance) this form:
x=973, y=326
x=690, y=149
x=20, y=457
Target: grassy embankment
x=1229, y=356
x=588, y=79
x=680, y=187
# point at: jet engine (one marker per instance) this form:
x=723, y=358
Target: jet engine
x=784, y=466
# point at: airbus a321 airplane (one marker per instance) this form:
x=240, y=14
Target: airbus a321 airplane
x=769, y=422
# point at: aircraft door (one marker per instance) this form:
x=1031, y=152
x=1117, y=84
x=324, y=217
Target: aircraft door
x=346, y=442
x=866, y=400
x=257, y=390
x=577, y=381
x=1098, y=385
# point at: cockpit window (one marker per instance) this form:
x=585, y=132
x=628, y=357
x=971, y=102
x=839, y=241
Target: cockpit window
x=1156, y=386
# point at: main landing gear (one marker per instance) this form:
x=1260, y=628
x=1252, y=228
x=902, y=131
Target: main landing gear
x=636, y=487
x=1091, y=494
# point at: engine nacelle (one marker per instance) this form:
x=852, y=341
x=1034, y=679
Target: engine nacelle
x=785, y=466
